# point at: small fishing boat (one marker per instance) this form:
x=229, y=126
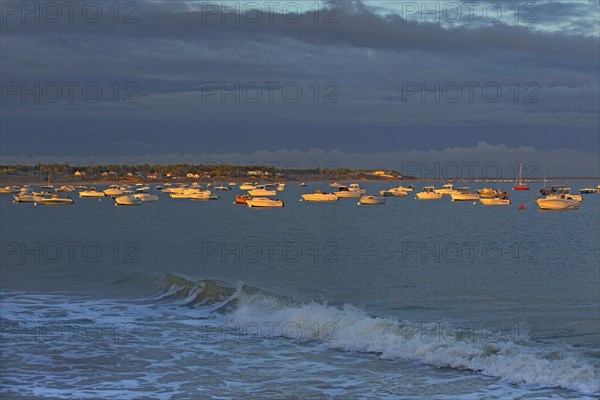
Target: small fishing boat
x=261, y=191
x=344, y=192
x=354, y=187
x=146, y=197
x=563, y=191
x=501, y=199
x=127, y=200
x=91, y=193
x=264, y=202
x=446, y=190
x=241, y=199
x=464, y=194
x=319, y=196
x=204, y=195
x=557, y=202
x=24, y=197
x=429, y=193
x=54, y=201
x=113, y=191
x=9, y=190
x=399, y=191
x=589, y=190
x=371, y=200
x=221, y=187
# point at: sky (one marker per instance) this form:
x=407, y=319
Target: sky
x=359, y=84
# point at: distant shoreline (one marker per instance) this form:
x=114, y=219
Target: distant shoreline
x=103, y=182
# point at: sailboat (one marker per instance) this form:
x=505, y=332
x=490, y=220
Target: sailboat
x=520, y=185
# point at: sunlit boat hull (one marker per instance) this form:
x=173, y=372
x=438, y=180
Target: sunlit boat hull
x=263, y=202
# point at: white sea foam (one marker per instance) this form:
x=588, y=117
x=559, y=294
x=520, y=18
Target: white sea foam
x=352, y=329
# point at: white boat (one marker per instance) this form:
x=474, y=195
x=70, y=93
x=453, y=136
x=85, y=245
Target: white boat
x=464, y=194
x=557, y=202
x=303, y=184
x=589, y=190
x=127, y=200
x=319, y=196
x=204, y=195
x=335, y=185
x=9, y=190
x=143, y=194
x=399, y=191
x=281, y=187
x=221, y=187
x=232, y=184
x=344, y=193
x=176, y=190
x=408, y=188
x=371, y=200
x=146, y=197
x=356, y=188
x=247, y=186
x=428, y=193
x=562, y=191
x=24, y=197
x=262, y=191
x=264, y=202
x=446, y=190
x=189, y=193
x=113, y=191
x=496, y=201
x=91, y=193
x=54, y=201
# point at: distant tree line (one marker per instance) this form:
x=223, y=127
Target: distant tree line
x=65, y=171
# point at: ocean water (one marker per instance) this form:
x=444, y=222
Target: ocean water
x=411, y=299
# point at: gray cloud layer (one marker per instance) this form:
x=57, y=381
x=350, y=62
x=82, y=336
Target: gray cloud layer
x=373, y=62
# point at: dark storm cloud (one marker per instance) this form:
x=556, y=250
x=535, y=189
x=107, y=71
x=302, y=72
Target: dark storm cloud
x=351, y=26
x=175, y=49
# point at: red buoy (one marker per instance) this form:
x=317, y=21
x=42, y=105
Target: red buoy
x=521, y=207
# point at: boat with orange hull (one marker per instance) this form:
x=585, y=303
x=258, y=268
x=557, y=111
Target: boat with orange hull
x=242, y=199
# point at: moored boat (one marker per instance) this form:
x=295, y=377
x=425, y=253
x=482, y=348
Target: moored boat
x=589, y=190
x=344, y=192
x=54, y=200
x=241, y=199
x=9, y=190
x=371, y=200
x=91, y=193
x=204, y=195
x=557, y=202
x=264, y=202
x=464, y=194
x=446, y=190
x=399, y=191
x=319, y=196
x=428, y=193
x=520, y=185
x=113, y=191
x=261, y=191
x=127, y=200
